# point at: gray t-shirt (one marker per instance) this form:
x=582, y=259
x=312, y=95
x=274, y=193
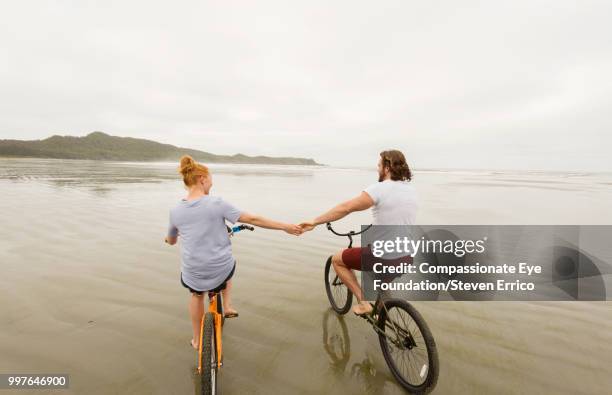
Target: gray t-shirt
x=206, y=251
x=395, y=202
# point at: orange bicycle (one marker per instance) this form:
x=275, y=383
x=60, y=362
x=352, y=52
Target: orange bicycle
x=210, y=350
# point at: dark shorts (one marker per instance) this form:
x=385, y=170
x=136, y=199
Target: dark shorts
x=352, y=258
x=215, y=290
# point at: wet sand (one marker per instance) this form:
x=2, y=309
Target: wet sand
x=88, y=287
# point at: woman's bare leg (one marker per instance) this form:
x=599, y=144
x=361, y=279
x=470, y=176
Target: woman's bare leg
x=227, y=299
x=350, y=280
x=196, y=309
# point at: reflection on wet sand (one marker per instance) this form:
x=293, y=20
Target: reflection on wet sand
x=336, y=341
x=337, y=345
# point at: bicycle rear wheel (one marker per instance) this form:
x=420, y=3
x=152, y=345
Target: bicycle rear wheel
x=408, y=346
x=340, y=297
x=209, y=356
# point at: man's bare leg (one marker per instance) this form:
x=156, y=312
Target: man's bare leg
x=227, y=299
x=350, y=280
x=196, y=310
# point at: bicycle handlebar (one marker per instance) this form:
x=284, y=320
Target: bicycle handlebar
x=350, y=233
x=242, y=227
x=238, y=228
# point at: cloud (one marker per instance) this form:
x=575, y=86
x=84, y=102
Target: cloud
x=510, y=85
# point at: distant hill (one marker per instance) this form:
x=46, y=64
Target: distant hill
x=101, y=146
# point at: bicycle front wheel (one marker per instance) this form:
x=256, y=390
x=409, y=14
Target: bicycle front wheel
x=209, y=356
x=408, y=346
x=338, y=294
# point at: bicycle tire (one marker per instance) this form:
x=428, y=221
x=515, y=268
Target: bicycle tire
x=209, y=356
x=432, y=367
x=339, y=303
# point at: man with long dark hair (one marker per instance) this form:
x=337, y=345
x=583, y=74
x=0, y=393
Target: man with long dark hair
x=393, y=202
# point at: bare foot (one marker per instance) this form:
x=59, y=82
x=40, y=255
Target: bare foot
x=194, y=344
x=230, y=311
x=362, y=308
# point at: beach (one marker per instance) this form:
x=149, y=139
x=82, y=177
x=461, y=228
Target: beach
x=89, y=288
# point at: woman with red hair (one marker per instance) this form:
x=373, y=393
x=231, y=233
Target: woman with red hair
x=199, y=220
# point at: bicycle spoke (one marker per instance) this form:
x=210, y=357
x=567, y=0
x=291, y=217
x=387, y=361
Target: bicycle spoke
x=406, y=360
x=213, y=365
x=338, y=293
x=406, y=345
x=338, y=289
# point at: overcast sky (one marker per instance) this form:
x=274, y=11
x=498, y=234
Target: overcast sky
x=455, y=84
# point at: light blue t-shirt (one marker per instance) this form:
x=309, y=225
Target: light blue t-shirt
x=206, y=251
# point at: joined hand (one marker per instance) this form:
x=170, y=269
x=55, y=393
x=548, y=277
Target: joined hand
x=307, y=226
x=293, y=229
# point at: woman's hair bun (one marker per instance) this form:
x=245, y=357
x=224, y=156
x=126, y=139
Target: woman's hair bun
x=191, y=170
x=187, y=164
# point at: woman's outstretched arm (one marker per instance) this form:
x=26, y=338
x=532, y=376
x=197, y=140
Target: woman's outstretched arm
x=262, y=222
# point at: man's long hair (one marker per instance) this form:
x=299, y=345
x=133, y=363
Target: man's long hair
x=395, y=161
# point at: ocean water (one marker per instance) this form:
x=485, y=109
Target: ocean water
x=89, y=288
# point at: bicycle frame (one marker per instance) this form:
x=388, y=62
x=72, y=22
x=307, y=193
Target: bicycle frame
x=372, y=319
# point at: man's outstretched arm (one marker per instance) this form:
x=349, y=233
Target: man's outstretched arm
x=360, y=203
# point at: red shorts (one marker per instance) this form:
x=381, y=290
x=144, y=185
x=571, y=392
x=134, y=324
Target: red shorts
x=352, y=258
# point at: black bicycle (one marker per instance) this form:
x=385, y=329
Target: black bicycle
x=406, y=341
